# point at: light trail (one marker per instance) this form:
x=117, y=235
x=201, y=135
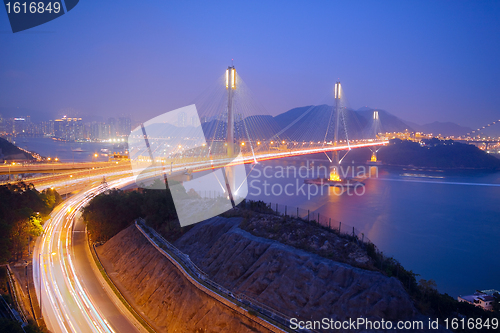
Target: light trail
x=66, y=304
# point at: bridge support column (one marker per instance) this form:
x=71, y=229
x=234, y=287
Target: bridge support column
x=230, y=87
x=335, y=165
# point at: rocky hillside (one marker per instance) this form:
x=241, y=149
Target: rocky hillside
x=8, y=151
x=297, y=283
x=161, y=293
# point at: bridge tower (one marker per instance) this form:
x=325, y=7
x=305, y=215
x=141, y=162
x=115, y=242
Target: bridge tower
x=334, y=168
x=229, y=172
x=230, y=87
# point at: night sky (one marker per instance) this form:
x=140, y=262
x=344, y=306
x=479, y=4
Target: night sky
x=420, y=60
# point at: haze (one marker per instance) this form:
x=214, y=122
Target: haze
x=420, y=60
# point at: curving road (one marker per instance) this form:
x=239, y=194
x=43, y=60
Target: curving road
x=73, y=300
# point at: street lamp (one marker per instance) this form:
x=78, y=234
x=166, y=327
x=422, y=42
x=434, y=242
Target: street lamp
x=70, y=176
x=40, y=277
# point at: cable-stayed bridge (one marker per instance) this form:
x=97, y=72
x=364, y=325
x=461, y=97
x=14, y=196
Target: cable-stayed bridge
x=226, y=126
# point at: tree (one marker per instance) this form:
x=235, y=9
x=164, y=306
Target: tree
x=496, y=302
x=22, y=210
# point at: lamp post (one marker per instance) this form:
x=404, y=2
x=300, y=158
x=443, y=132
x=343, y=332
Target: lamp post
x=70, y=176
x=40, y=277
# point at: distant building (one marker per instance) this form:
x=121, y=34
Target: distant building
x=112, y=128
x=19, y=127
x=8, y=126
x=99, y=131
x=69, y=129
x=124, y=126
x=483, y=299
x=182, y=119
x=47, y=127
x=195, y=122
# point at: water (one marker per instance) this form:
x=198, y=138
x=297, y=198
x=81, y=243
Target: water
x=64, y=150
x=446, y=229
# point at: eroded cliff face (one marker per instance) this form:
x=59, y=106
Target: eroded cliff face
x=296, y=283
x=161, y=293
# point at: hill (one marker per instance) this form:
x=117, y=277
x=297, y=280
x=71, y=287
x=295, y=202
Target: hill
x=8, y=151
x=310, y=123
x=437, y=154
x=445, y=129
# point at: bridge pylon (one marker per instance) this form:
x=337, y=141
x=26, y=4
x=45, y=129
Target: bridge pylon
x=230, y=87
x=335, y=165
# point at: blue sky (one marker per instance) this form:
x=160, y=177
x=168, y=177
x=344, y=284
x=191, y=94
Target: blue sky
x=420, y=60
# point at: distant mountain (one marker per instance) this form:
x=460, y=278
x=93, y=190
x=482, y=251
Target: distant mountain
x=311, y=123
x=306, y=123
x=260, y=127
x=445, y=129
x=387, y=121
x=317, y=123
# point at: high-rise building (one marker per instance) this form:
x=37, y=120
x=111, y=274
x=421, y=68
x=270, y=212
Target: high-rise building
x=69, y=129
x=112, y=127
x=99, y=131
x=182, y=119
x=8, y=126
x=47, y=127
x=124, y=126
x=20, y=127
x=194, y=121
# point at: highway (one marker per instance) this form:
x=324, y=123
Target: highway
x=72, y=298
x=53, y=167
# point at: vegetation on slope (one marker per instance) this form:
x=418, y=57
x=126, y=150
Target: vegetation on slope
x=109, y=213
x=22, y=212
